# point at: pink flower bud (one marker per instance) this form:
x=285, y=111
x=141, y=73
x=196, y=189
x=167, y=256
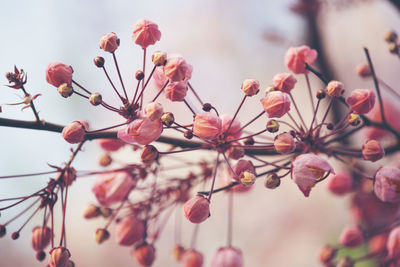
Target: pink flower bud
x=154, y=111
x=335, y=88
x=250, y=87
x=192, y=258
x=58, y=73
x=74, y=132
x=145, y=33
x=276, y=104
x=284, y=143
x=109, y=42
x=296, y=57
x=145, y=254
x=387, y=184
x=234, y=131
x=207, y=126
x=59, y=257
x=176, y=91
x=110, y=188
x=142, y=131
x=129, y=231
x=393, y=243
x=361, y=101
x=363, y=70
x=176, y=69
x=327, y=254
x=351, y=237
x=377, y=244
x=197, y=209
x=284, y=82
x=109, y=144
x=372, y=150
x=307, y=169
x=40, y=237
x=241, y=167
x=227, y=257
x=341, y=183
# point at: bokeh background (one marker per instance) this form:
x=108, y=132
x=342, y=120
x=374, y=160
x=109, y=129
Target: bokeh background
x=226, y=42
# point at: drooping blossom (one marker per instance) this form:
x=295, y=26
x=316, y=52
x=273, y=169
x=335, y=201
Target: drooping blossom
x=59, y=257
x=129, y=231
x=197, y=209
x=393, y=243
x=234, y=131
x=145, y=33
x=361, y=101
x=145, y=254
x=296, y=57
x=207, y=126
x=142, y=131
x=351, y=236
x=307, y=170
x=276, y=104
x=372, y=150
x=40, y=237
x=176, y=91
x=109, y=144
x=227, y=257
x=250, y=87
x=110, y=188
x=74, y=132
x=109, y=42
x=387, y=184
x=340, y=183
x=284, y=143
x=58, y=73
x=192, y=258
x=284, y=82
x=335, y=88
x=242, y=166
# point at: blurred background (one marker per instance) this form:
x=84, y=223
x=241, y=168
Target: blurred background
x=226, y=42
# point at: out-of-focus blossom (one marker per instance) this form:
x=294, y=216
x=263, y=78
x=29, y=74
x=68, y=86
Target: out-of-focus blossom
x=284, y=82
x=340, y=183
x=129, y=231
x=176, y=91
x=227, y=257
x=192, y=258
x=351, y=237
x=387, y=184
x=234, y=131
x=296, y=57
x=109, y=144
x=284, y=143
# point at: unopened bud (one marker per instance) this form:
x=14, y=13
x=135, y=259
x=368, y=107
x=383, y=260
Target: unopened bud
x=335, y=88
x=105, y=160
x=95, y=99
x=247, y=178
x=59, y=257
x=207, y=107
x=159, y=58
x=363, y=70
x=99, y=62
x=372, y=150
x=235, y=152
x=284, y=143
x=40, y=237
x=188, y=134
x=390, y=37
x=91, y=211
x=65, y=90
x=105, y=212
x=272, y=126
x=74, y=132
x=101, y=235
x=393, y=48
x=168, y=119
x=149, y=154
x=321, y=94
x=177, y=252
x=197, y=209
x=139, y=75
x=15, y=235
x=329, y=126
x=269, y=90
x=145, y=254
x=354, y=119
x=272, y=181
x=248, y=141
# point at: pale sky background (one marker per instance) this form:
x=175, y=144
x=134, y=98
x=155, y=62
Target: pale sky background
x=224, y=42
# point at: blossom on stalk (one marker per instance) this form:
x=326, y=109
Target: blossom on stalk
x=58, y=73
x=276, y=104
x=284, y=82
x=142, y=131
x=145, y=254
x=74, y=132
x=110, y=188
x=372, y=150
x=335, y=88
x=197, y=209
x=109, y=144
x=40, y=237
x=250, y=87
x=307, y=170
x=207, y=126
x=296, y=57
x=145, y=33
x=361, y=101
x=284, y=143
x=176, y=69
x=341, y=183
x=109, y=42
